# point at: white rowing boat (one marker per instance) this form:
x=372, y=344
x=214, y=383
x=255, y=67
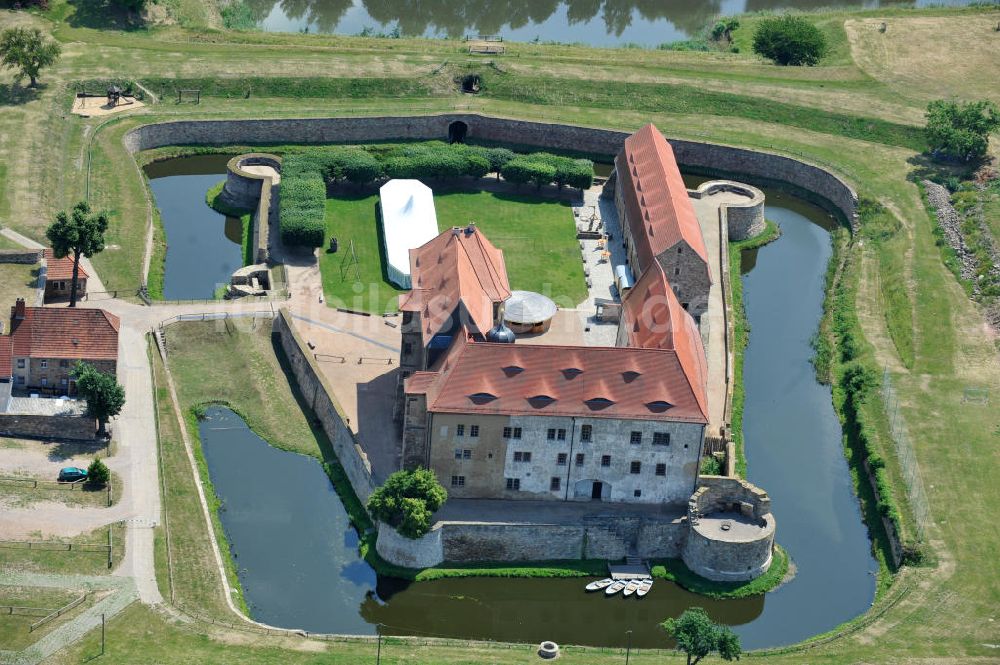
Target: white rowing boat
x=600, y=584
x=631, y=588
x=644, y=588
x=615, y=588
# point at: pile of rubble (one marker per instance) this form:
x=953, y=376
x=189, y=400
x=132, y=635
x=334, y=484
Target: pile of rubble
x=951, y=224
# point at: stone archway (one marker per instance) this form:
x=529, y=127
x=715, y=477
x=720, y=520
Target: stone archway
x=457, y=131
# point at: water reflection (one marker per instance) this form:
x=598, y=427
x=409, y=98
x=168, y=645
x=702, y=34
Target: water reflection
x=594, y=22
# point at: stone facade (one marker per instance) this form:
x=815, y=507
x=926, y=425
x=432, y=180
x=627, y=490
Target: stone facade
x=52, y=375
x=64, y=428
x=244, y=189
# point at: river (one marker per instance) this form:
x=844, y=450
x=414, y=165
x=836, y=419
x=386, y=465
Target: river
x=297, y=554
x=592, y=22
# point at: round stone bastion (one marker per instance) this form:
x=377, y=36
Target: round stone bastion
x=243, y=182
x=744, y=209
x=730, y=530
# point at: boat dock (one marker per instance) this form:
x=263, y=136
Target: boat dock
x=633, y=569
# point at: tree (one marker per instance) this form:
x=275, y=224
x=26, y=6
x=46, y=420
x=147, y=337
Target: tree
x=724, y=28
x=27, y=51
x=697, y=636
x=98, y=472
x=105, y=396
x=961, y=131
x=407, y=500
x=81, y=233
x=789, y=40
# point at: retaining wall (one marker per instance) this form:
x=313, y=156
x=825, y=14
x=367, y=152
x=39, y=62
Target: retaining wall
x=319, y=394
x=25, y=256
x=754, y=166
x=743, y=219
x=244, y=189
x=63, y=428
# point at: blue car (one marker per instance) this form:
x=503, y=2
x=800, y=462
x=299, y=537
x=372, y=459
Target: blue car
x=71, y=474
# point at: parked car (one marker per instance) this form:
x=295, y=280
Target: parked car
x=71, y=474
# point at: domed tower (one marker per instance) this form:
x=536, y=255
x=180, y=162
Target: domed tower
x=500, y=334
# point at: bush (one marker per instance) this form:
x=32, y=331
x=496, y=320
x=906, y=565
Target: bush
x=407, y=500
x=960, y=131
x=98, y=472
x=789, y=40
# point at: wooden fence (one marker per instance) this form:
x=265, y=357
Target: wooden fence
x=55, y=614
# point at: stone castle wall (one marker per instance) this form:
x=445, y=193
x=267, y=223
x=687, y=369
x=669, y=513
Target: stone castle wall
x=751, y=165
x=312, y=383
x=743, y=219
x=25, y=256
x=244, y=189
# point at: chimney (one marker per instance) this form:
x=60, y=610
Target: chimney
x=18, y=310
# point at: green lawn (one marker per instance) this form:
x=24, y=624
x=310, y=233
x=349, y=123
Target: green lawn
x=18, y=281
x=15, y=557
x=14, y=634
x=536, y=235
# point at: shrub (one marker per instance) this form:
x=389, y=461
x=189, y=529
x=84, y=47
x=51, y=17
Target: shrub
x=789, y=40
x=98, y=472
x=517, y=171
x=407, y=500
x=960, y=131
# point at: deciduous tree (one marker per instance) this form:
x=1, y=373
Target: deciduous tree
x=697, y=636
x=27, y=51
x=80, y=233
x=105, y=396
x=789, y=40
x=961, y=131
x=407, y=500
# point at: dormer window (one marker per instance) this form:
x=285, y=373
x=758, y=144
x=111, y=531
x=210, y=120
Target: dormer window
x=571, y=372
x=512, y=370
x=482, y=398
x=598, y=403
x=630, y=375
x=540, y=401
x=659, y=406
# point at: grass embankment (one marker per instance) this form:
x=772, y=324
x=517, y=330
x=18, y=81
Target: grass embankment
x=33, y=604
x=213, y=198
x=52, y=556
x=18, y=281
x=741, y=334
x=676, y=571
x=537, y=237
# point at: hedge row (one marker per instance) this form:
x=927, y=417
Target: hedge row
x=305, y=174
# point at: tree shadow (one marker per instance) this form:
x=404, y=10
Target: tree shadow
x=104, y=15
x=12, y=94
x=927, y=168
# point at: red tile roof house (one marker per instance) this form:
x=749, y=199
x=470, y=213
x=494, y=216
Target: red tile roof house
x=46, y=343
x=59, y=278
x=657, y=219
x=520, y=421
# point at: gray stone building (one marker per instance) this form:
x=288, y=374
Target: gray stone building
x=45, y=344
x=657, y=219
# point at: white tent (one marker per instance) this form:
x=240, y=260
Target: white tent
x=408, y=221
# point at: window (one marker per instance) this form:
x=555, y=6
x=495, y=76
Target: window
x=463, y=453
x=680, y=250
x=20, y=363
x=661, y=469
x=458, y=481
x=45, y=364
x=555, y=484
x=551, y=434
x=64, y=363
x=635, y=467
x=522, y=456
x=514, y=484
x=512, y=432
x=407, y=348
x=561, y=459
x=677, y=271
x=661, y=438
x=20, y=380
x=561, y=434
x=635, y=438
x=579, y=459
x=473, y=430
x=637, y=493
x=459, y=430
x=586, y=432
x=517, y=432
x=45, y=381
x=64, y=381
x=605, y=460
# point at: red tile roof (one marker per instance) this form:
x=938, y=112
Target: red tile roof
x=656, y=200
x=65, y=332
x=460, y=266
x=61, y=268
x=527, y=379
x=6, y=366
x=653, y=318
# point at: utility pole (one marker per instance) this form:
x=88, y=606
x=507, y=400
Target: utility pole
x=102, y=633
x=628, y=647
x=378, y=654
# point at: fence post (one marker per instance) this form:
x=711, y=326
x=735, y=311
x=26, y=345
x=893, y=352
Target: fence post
x=111, y=544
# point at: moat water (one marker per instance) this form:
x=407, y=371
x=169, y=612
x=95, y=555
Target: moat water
x=593, y=22
x=297, y=558
x=203, y=246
